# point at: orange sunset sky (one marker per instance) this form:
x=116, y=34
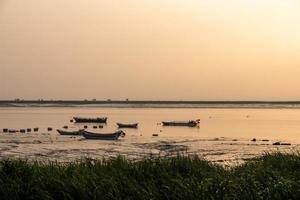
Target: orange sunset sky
x=150, y=49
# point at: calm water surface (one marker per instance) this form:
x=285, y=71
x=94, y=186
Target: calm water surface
x=223, y=136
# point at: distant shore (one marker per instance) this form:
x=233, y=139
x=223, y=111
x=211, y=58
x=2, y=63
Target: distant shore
x=150, y=104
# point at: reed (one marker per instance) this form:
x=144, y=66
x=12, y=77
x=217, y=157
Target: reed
x=270, y=176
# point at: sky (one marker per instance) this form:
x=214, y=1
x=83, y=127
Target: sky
x=150, y=49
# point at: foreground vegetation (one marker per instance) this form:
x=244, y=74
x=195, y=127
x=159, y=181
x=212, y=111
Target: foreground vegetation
x=271, y=176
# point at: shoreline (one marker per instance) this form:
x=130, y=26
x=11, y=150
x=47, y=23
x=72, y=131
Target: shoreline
x=151, y=104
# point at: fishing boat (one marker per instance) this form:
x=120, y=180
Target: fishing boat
x=90, y=120
x=191, y=123
x=61, y=132
x=121, y=125
x=103, y=136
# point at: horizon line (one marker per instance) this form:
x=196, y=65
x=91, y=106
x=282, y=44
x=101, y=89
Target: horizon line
x=109, y=101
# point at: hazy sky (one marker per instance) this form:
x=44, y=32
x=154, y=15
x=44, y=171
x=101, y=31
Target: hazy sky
x=150, y=49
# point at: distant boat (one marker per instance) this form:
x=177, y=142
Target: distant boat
x=121, y=125
x=61, y=132
x=191, y=123
x=103, y=136
x=90, y=120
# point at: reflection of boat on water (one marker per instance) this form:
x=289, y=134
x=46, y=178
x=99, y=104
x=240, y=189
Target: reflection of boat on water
x=103, y=136
x=90, y=120
x=121, y=125
x=79, y=132
x=191, y=123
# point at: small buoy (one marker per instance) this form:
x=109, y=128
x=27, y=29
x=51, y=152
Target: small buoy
x=36, y=129
x=49, y=129
x=155, y=134
x=85, y=126
x=29, y=130
x=253, y=140
x=65, y=127
x=5, y=130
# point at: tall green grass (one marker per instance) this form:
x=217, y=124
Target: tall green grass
x=271, y=176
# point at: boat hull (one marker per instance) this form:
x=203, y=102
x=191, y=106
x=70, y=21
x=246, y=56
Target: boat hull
x=189, y=124
x=103, y=136
x=90, y=120
x=61, y=132
x=120, y=125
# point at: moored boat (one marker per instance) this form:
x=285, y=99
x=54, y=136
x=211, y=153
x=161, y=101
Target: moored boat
x=191, y=123
x=122, y=125
x=90, y=120
x=62, y=132
x=103, y=136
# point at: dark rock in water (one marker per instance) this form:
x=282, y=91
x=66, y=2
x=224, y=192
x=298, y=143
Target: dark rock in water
x=155, y=134
x=36, y=129
x=65, y=127
x=276, y=143
x=12, y=131
x=85, y=126
x=253, y=140
x=71, y=120
x=100, y=126
x=22, y=131
x=95, y=126
x=5, y=130
x=50, y=129
x=29, y=130
x=287, y=144
x=265, y=140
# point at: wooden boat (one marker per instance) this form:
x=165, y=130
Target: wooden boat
x=121, y=125
x=191, y=123
x=90, y=120
x=103, y=136
x=61, y=132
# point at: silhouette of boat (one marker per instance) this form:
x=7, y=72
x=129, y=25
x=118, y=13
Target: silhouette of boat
x=121, y=125
x=90, y=120
x=103, y=136
x=61, y=132
x=191, y=123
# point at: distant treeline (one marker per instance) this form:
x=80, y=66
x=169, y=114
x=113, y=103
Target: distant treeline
x=41, y=101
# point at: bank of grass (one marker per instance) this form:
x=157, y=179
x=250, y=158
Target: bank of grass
x=271, y=176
